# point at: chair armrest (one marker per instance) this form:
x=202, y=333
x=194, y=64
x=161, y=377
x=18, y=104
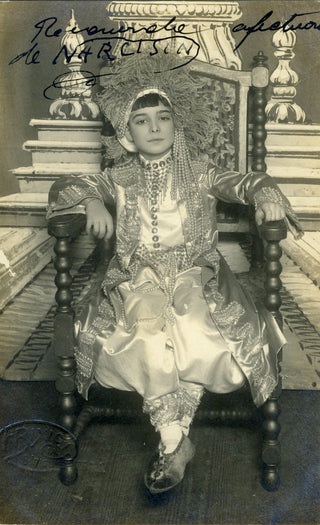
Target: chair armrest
x=67, y=225
x=273, y=232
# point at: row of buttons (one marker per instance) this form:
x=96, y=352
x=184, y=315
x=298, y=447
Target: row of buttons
x=154, y=224
x=154, y=229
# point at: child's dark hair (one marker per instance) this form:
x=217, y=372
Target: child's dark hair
x=150, y=100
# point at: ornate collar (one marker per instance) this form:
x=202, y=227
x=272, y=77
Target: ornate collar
x=163, y=162
x=156, y=177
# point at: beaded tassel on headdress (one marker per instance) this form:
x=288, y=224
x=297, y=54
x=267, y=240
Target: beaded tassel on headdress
x=184, y=177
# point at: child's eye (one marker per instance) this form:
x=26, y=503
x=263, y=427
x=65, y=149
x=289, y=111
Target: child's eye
x=141, y=121
x=165, y=117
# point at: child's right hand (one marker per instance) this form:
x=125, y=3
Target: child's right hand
x=99, y=220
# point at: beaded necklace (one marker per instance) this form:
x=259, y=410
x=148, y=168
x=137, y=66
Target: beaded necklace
x=155, y=177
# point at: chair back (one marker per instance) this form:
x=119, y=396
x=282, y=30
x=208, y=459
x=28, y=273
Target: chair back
x=237, y=107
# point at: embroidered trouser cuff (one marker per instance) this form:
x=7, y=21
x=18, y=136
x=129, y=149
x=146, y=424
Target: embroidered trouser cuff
x=177, y=407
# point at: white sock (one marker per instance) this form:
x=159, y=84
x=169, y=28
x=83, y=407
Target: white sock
x=170, y=437
x=185, y=424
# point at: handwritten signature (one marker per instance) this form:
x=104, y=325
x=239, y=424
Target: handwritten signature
x=275, y=26
x=101, y=46
x=127, y=48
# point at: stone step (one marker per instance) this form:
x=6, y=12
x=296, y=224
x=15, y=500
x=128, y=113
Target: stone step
x=24, y=210
x=305, y=190
x=71, y=151
x=24, y=252
x=308, y=211
x=301, y=186
x=292, y=147
x=306, y=205
x=297, y=182
x=297, y=135
x=305, y=253
x=34, y=179
x=63, y=147
x=29, y=308
x=294, y=174
x=66, y=130
x=291, y=157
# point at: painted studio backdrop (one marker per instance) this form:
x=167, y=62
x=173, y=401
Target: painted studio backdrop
x=22, y=85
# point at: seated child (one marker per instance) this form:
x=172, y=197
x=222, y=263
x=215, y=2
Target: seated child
x=170, y=319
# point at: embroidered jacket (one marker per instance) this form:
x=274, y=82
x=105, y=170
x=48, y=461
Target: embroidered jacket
x=233, y=312
x=122, y=185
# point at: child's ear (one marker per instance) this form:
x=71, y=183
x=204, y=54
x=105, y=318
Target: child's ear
x=128, y=134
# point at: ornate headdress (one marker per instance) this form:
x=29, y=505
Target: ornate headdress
x=129, y=78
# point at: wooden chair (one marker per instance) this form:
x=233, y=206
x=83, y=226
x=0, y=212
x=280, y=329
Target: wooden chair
x=230, y=92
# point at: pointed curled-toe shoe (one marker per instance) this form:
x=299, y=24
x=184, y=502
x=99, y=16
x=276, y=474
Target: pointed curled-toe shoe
x=165, y=471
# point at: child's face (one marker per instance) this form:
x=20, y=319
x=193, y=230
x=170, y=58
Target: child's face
x=152, y=130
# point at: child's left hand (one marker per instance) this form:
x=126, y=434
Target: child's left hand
x=269, y=211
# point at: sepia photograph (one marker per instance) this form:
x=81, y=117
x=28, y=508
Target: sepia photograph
x=160, y=262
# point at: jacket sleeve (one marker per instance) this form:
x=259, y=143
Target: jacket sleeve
x=253, y=188
x=67, y=195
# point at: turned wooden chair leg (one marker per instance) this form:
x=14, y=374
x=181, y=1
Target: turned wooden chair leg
x=63, y=347
x=273, y=233
x=65, y=228
x=271, y=449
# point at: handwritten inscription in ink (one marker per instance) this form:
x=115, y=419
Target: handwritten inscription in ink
x=99, y=43
x=294, y=23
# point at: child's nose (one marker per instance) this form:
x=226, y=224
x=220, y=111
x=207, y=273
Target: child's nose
x=154, y=126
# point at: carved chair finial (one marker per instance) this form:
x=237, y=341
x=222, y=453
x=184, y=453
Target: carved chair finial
x=281, y=107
